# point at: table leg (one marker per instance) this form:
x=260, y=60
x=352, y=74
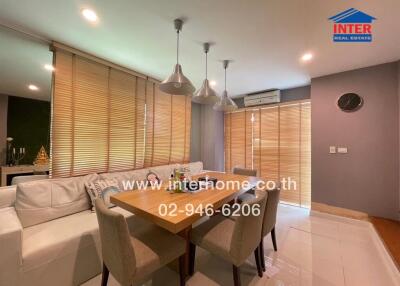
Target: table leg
x=186, y=235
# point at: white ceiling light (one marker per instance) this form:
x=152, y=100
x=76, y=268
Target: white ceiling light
x=177, y=83
x=205, y=95
x=307, y=57
x=89, y=15
x=225, y=103
x=48, y=67
x=213, y=83
x=33, y=87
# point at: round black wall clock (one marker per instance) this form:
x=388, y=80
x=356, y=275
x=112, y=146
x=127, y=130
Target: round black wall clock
x=349, y=102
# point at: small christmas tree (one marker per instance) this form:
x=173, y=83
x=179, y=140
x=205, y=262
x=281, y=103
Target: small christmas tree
x=42, y=158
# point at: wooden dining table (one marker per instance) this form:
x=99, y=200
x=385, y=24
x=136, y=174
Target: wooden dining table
x=176, y=212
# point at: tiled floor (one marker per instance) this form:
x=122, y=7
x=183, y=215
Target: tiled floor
x=312, y=250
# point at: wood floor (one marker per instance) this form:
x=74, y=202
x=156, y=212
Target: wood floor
x=389, y=230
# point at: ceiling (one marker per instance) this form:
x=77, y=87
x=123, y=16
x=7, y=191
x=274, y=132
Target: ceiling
x=265, y=39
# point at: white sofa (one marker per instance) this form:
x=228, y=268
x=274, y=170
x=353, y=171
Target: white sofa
x=49, y=235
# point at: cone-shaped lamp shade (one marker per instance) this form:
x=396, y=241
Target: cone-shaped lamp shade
x=225, y=103
x=177, y=83
x=205, y=95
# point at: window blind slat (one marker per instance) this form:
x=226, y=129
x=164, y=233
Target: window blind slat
x=227, y=141
x=276, y=141
x=105, y=119
x=269, y=143
x=305, y=154
x=289, y=151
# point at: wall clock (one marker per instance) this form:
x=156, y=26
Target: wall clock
x=350, y=102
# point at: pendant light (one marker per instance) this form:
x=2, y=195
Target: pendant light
x=205, y=95
x=177, y=83
x=225, y=103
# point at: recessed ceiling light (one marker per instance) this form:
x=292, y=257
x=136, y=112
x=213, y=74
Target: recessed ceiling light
x=213, y=83
x=307, y=57
x=33, y=87
x=49, y=67
x=89, y=15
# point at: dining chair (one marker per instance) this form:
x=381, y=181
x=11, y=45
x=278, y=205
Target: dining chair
x=244, y=172
x=269, y=222
x=229, y=239
x=249, y=195
x=133, y=253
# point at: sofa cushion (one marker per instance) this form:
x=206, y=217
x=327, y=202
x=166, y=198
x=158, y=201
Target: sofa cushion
x=22, y=179
x=41, y=201
x=194, y=167
x=102, y=189
x=47, y=242
x=7, y=196
x=126, y=179
x=164, y=172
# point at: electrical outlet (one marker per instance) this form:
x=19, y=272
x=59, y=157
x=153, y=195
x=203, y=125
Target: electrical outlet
x=342, y=150
x=332, y=149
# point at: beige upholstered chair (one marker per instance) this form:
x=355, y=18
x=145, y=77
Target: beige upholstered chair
x=249, y=195
x=230, y=239
x=269, y=221
x=132, y=254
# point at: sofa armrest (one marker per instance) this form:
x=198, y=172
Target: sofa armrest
x=10, y=246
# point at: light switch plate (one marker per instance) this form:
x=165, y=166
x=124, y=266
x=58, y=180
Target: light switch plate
x=332, y=149
x=342, y=150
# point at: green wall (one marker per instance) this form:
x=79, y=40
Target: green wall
x=28, y=122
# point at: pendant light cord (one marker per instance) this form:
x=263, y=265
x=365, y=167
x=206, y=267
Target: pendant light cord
x=177, y=47
x=206, y=67
x=225, y=78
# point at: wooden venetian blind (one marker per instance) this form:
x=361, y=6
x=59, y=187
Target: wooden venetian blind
x=275, y=141
x=168, y=122
x=105, y=119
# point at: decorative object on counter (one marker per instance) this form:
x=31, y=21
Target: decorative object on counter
x=9, y=160
x=208, y=179
x=177, y=83
x=17, y=155
x=205, y=95
x=42, y=158
x=225, y=103
x=179, y=179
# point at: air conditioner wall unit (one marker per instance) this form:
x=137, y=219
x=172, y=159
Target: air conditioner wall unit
x=267, y=97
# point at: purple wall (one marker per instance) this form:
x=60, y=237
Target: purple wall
x=367, y=177
x=207, y=137
x=3, y=127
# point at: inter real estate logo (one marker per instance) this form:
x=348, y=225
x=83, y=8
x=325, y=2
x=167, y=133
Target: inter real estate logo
x=352, y=25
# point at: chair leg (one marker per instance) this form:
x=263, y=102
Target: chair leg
x=104, y=276
x=192, y=258
x=274, y=239
x=258, y=261
x=236, y=275
x=182, y=277
x=262, y=258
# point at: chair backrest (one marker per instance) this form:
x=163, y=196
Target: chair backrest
x=244, y=172
x=117, y=250
x=271, y=210
x=246, y=237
